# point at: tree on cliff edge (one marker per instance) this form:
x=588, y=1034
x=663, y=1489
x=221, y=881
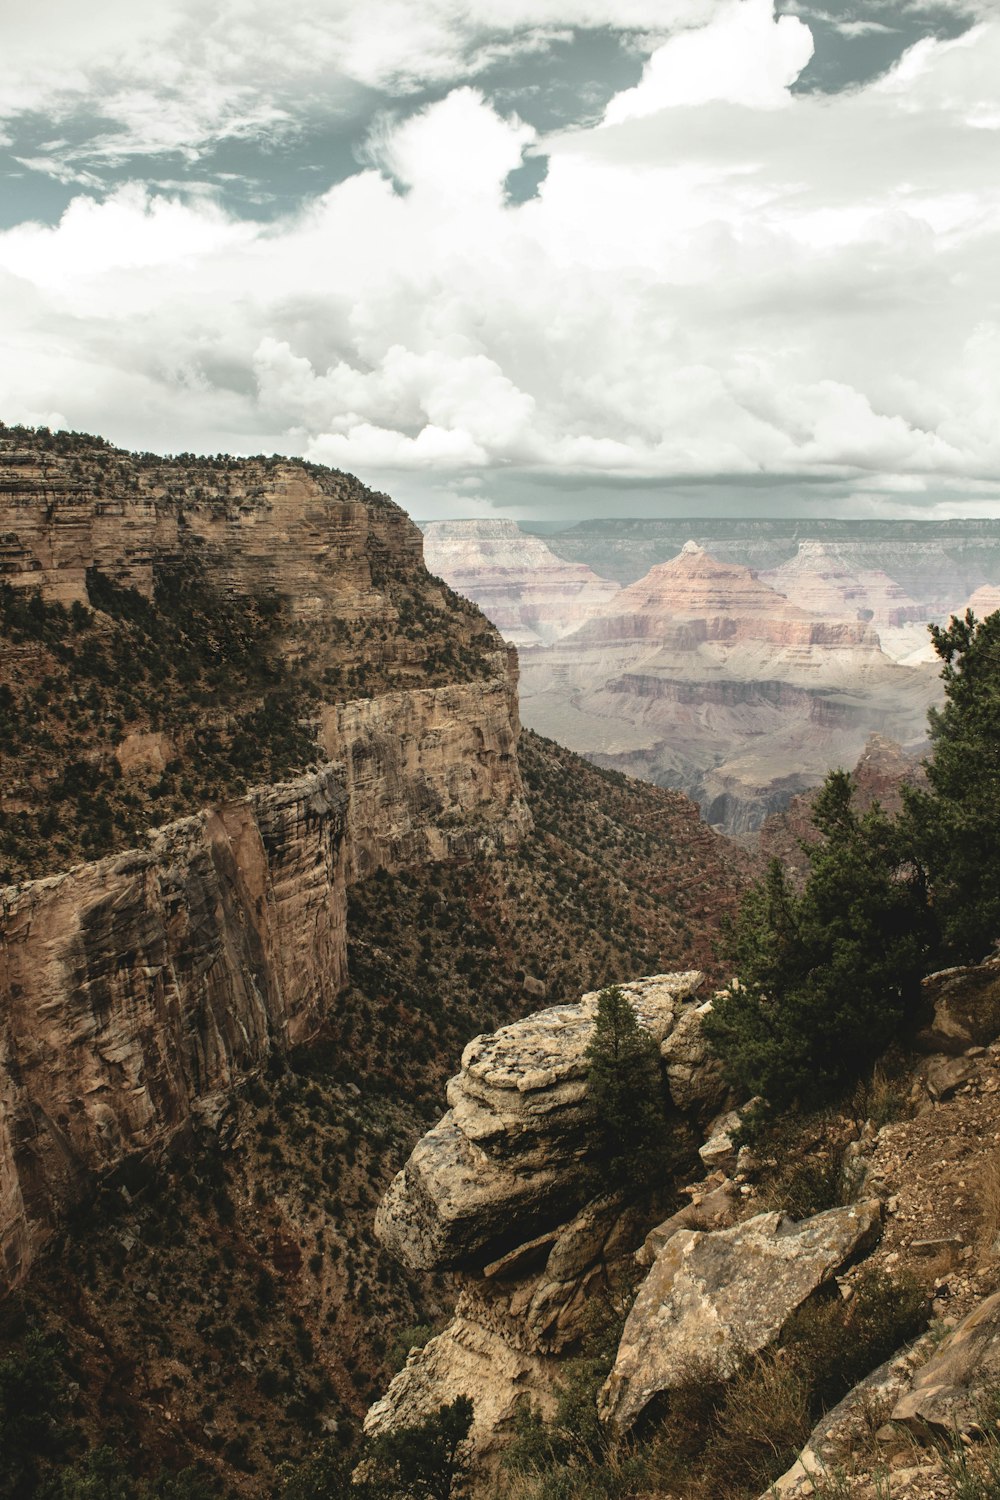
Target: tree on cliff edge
x=625, y=1086
x=956, y=822
x=829, y=976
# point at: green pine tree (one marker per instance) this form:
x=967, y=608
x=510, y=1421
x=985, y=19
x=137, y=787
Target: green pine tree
x=956, y=822
x=625, y=1085
x=829, y=976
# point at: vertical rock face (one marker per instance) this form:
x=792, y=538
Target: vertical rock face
x=429, y=773
x=270, y=525
x=136, y=989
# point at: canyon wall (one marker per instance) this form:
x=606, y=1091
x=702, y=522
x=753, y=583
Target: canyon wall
x=702, y=677
x=519, y=583
x=136, y=989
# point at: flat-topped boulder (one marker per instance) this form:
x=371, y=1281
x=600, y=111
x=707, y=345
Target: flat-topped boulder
x=511, y=1158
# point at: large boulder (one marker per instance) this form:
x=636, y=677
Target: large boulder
x=963, y=1007
x=467, y=1358
x=711, y=1299
x=510, y=1159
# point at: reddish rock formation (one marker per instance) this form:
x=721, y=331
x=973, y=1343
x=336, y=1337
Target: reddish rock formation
x=701, y=676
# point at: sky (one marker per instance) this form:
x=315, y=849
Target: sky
x=546, y=259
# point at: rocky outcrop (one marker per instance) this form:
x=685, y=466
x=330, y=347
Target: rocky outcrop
x=847, y=1426
x=700, y=676
x=947, y=1395
x=962, y=1008
x=429, y=774
x=502, y=1188
x=712, y=1299
x=510, y=1158
x=519, y=583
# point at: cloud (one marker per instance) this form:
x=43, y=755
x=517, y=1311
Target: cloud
x=714, y=62
x=705, y=289
x=180, y=74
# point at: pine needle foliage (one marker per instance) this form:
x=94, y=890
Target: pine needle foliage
x=625, y=1086
x=829, y=976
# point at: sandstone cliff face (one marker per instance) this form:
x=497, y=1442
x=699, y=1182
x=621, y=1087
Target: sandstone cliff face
x=429, y=774
x=275, y=525
x=135, y=989
x=518, y=582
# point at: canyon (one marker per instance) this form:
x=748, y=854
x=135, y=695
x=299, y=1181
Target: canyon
x=138, y=988
x=738, y=661
x=532, y=596
x=272, y=842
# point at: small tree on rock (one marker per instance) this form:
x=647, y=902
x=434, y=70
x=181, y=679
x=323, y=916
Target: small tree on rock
x=625, y=1085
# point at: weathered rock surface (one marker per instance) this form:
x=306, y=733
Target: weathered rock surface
x=502, y=1345
x=139, y=986
x=509, y=1158
x=964, y=1008
x=429, y=774
x=714, y=1209
x=276, y=526
x=466, y=1357
x=519, y=583
x=136, y=989
x=713, y=1298
x=947, y=1394
x=701, y=653
x=846, y=1427
x=502, y=1187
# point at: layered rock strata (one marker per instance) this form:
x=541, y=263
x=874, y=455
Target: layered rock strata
x=702, y=677
x=519, y=583
x=500, y=1189
x=509, y=1159
x=136, y=988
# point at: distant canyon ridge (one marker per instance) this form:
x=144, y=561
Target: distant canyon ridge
x=736, y=660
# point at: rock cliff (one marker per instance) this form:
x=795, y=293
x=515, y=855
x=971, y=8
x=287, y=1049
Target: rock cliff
x=519, y=583
x=136, y=988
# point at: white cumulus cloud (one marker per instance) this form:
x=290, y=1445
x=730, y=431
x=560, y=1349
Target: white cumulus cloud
x=711, y=285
